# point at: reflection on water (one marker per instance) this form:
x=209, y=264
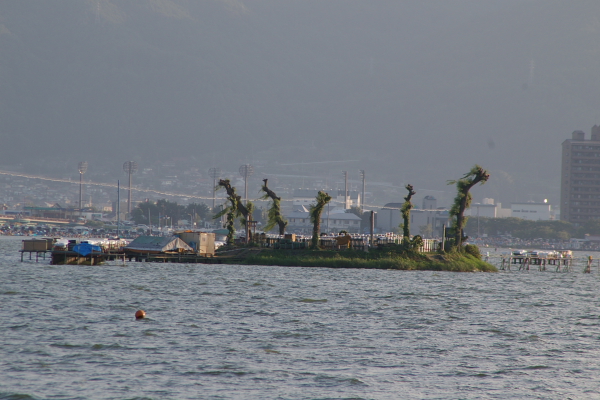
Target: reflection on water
x=245, y=332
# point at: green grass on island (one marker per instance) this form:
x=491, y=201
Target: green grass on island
x=375, y=259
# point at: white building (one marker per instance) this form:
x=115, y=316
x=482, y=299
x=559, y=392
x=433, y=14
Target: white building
x=331, y=221
x=488, y=209
x=306, y=197
x=389, y=218
x=532, y=211
x=482, y=210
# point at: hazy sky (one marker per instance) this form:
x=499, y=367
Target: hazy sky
x=411, y=91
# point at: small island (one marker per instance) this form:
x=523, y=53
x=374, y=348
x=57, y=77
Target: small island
x=387, y=258
x=405, y=254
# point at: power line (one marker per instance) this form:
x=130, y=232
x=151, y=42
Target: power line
x=115, y=186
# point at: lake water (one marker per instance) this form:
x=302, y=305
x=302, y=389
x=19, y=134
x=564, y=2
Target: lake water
x=252, y=332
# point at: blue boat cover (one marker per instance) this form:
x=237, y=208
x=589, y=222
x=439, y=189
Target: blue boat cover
x=85, y=249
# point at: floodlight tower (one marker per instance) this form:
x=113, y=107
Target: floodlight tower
x=214, y=173
x=130, y=167
x=82, y=167
x=246, y=171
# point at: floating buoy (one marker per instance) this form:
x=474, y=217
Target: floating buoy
x=139, y=314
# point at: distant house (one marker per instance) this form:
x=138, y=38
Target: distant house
x=158, y=244
x=389, y=218
x=331, y=221
x=54, y=211
x=306, y=197
x=354, y=198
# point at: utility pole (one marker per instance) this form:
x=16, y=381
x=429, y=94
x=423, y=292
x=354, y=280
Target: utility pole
x=82, y=167
x=130, y=167
x=345, y=189
x=477, y=221
x=246, y=171
x=362, y=199
x=214, y=173
x=118, y=206
x=372, y=227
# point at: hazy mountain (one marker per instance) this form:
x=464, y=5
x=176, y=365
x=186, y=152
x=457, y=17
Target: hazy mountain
x=417, y=92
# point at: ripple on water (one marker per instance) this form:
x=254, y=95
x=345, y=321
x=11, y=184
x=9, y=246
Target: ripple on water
x=271, y=332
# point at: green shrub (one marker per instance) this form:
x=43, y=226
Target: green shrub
x=473, y=250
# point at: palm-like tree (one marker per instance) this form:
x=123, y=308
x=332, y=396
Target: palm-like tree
x=405, y=210
x=463, y=198
x=274, y=213
x=315, y=215
x=236, y=209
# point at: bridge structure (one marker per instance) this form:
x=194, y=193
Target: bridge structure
x=28, y=220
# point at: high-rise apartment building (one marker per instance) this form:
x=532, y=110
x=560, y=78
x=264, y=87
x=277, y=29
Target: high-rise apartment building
x=580, y=178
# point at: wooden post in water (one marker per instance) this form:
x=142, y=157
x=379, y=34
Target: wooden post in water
x=443, y=237
x=588, y=267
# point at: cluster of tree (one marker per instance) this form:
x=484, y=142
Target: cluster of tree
x=462, y=201
x=247, y=215
x=237, y=211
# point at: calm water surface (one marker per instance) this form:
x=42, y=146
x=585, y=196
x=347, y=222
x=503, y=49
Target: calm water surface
x=251, y=332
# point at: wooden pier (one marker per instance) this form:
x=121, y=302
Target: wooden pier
x=73, y=258
x=181, y=258
x=526, y=262
x=37, y=254
x=37, y=246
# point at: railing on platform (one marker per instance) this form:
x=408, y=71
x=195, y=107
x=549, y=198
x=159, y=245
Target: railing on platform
x=358, y=242
x=524, y=263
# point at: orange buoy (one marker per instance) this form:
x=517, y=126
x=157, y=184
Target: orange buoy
x=139, y=314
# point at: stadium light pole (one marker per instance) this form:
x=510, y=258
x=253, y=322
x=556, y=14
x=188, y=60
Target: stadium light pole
x=130, y=167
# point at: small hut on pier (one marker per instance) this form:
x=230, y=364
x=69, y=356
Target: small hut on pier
x=158, y=244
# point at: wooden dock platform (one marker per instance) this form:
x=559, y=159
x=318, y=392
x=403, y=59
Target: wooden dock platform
x=96, y=258
x=37, y=254
x=182, y=258
x=73, y=258
x=525, y=262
